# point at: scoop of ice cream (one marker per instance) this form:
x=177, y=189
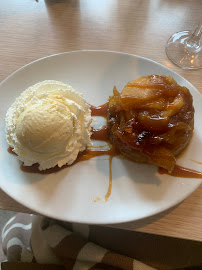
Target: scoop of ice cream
x=49, y=124
x=45, y=128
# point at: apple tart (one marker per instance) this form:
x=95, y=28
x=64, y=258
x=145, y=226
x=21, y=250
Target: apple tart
x=151, y=120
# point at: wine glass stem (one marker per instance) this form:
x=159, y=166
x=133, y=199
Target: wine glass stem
x=193, y=43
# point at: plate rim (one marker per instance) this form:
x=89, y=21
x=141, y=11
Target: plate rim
x=103, y=51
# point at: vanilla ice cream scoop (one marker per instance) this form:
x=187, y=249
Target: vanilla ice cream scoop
x=48, y=124
x=45, y=128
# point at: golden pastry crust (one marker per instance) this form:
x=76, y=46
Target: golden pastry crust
x=151, y=120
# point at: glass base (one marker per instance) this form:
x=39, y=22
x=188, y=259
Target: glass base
x=181, y=54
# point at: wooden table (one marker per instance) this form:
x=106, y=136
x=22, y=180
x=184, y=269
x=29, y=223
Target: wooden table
x=33, y=29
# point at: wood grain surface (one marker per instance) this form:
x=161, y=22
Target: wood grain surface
x=31, y=30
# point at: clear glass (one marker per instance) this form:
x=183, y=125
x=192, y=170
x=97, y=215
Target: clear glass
x=185, y=49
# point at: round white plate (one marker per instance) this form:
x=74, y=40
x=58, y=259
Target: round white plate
x=138, y=191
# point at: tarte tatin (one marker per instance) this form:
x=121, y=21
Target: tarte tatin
x=151, y=120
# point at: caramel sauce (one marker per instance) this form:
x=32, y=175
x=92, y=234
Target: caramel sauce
x=179, y=171
x=110, y=179
x=35, y=169
x=100, y=134
x=88, y=154
x=85, y=155
x=10, y=150
x=99, y=110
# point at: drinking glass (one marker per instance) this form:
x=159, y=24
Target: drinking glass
x=184, y=48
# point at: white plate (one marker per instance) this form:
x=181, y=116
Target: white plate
x=138, y=191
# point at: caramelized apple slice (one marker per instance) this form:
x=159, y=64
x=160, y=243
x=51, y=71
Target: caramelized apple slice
x=152, y=122
x=143, y=90
x=174, y=107
x=133, y=96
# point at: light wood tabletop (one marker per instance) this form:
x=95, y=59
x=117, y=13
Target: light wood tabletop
x=34, y=29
